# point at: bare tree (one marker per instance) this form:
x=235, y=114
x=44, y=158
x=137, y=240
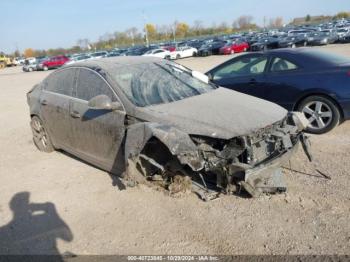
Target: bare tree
x=276, y=22
x=244, y=21
x=197, y=27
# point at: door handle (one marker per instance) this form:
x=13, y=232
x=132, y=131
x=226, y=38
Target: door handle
x=43, y=102
x=75, y=114
x=252, y=81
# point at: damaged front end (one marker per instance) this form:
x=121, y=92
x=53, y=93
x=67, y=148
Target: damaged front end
x=209, y=166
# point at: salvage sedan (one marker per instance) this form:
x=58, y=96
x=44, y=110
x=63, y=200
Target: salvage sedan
x=153, y=121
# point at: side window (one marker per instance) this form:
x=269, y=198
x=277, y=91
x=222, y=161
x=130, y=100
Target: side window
x=242, y=67
x=279, y=64
x=61, y=82
x=90, y=84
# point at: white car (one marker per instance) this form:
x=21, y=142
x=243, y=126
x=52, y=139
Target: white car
x=79, y=58
x=183, y=51
x=161, y=53
x=98, y=55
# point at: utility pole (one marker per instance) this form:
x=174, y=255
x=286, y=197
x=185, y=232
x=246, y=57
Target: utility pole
x=145, y=28
x=174, y=31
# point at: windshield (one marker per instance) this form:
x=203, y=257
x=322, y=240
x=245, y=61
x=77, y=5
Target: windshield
x=158, y=83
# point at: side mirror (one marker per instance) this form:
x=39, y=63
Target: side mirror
x=210, y=76
x=200, y=76
x=103, y=102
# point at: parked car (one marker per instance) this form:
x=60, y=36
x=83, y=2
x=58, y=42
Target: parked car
x=211, y=48
x=40, y=62
x=342, y=32
x=322, y=38
x=307, y=80
x=99, y=54
x=79, y=58
x=183, y=51
x=30, y=65
x=19, y=61
x=265, y=43
x=236, y=46
x=54, y=62
x=149, y=118
x=292, y=42
x=161, y=53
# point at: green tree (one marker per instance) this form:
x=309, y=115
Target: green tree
x=151, y=31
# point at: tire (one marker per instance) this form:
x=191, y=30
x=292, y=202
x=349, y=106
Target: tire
x=45, y=68
x=41, y=138
x=322, y=112
x=178, y=56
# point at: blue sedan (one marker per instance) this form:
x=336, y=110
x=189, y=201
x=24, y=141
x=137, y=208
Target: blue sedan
x=305, y=79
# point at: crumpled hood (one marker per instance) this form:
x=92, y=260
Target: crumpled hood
x=222, y=113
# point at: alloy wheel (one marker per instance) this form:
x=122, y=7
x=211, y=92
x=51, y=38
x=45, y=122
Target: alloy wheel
x=39, y=133
x=319, y=114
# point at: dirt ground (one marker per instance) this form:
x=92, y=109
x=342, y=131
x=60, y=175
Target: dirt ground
x=53, y=203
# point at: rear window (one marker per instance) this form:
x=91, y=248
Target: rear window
x=328, y=57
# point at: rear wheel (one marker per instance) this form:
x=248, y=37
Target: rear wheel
x=40, y=136
x=321, y=112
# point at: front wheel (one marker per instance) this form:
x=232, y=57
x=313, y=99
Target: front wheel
x=321, y=112
x=40, y=136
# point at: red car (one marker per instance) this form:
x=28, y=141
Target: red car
x=170, y=48
x=55, y=62
x=236, y=46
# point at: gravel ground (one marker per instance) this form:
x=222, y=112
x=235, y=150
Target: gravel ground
x=54, y=203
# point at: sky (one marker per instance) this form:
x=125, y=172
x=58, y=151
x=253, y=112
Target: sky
x=43, y=24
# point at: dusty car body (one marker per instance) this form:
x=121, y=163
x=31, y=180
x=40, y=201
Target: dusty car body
x=158, y=122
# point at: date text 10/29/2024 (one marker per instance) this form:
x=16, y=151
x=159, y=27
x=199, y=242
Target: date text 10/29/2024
x=173, y=258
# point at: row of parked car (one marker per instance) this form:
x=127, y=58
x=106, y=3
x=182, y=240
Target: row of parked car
x=292, y=37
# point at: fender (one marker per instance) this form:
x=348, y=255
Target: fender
x=178, y=143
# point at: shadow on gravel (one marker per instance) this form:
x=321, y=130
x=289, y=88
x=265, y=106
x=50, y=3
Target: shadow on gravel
x=34, y=229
